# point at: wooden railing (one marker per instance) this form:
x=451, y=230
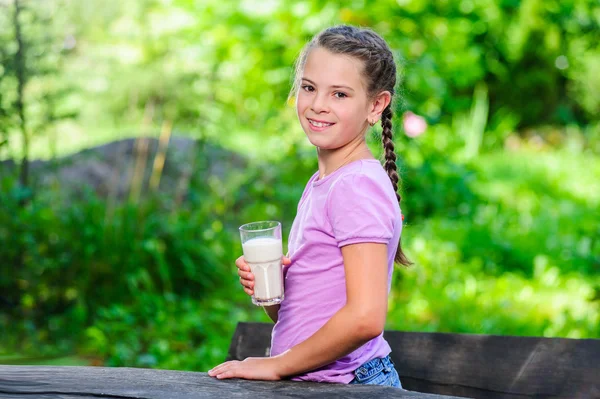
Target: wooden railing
x=475, y=366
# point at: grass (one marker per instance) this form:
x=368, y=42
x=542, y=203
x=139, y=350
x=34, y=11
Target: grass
x=73, y=360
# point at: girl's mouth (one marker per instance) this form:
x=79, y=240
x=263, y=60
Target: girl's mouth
x=316, y=125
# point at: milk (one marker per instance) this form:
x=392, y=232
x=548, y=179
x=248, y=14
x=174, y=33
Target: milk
x=263, y=255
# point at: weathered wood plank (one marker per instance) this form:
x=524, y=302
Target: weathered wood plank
x=473, y=365
x=54, y=382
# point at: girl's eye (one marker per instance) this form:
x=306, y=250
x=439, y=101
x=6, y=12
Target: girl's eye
x=308, y=88
x=339, y=94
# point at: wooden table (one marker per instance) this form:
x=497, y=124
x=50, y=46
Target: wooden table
x=54, y=382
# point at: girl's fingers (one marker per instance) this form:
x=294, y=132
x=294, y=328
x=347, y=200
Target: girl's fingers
x=246, y=275
x=246, y=283
x=248, y=291
x=219, y=369
x=226, y=374
x=241, y=264
x=287, y=261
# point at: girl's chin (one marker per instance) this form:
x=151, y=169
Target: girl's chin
x=321, y=144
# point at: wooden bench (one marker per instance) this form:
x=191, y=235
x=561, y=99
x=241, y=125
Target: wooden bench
x=476, y=366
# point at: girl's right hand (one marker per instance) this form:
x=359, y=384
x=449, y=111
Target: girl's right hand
x=246, y=276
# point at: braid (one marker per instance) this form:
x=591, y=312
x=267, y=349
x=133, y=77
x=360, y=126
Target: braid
x=391, y=169
x=388, y=146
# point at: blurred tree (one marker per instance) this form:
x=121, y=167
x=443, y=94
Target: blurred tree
x=34, y=89
x=200, y=62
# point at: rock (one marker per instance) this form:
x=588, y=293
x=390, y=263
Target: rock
x=123, y=168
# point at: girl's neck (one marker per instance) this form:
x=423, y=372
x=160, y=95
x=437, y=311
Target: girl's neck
x=332, y=160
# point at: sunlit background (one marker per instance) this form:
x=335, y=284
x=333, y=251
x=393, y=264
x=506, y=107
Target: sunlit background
x=123, y=254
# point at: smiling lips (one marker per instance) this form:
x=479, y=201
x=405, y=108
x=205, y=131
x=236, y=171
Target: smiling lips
x=319, y=124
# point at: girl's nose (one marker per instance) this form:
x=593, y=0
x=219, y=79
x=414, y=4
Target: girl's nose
x=319, y=104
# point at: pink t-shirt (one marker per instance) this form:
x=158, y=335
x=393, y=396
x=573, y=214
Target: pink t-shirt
x=352, y=205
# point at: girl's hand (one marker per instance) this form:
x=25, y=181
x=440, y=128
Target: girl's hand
x=246, y=276
x=252, y=368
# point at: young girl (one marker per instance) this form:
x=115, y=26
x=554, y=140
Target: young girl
x=345, y=237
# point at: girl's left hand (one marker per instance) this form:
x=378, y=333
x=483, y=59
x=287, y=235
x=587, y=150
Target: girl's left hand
x=252, y=368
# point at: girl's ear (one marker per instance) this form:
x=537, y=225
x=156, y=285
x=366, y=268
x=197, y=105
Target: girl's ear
x=378, y=104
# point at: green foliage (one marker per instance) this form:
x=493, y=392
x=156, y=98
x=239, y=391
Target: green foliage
x=519, y=256
x=198, y=63
x=172, y=332
x=500, y=194
x=153, y=285
x=88, y=271
x=33, y=60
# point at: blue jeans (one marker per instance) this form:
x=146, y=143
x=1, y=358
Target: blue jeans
x=379, y=371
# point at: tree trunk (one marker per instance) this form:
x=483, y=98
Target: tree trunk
x=21, y=81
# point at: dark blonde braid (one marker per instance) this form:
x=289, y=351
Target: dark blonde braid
x=388, y=147
x=392, y=170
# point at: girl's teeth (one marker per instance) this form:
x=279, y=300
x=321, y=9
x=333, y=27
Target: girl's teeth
x=319, y=124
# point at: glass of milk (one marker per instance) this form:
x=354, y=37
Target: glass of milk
x=263, y=251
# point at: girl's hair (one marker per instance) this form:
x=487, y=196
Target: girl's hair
x=379, y=72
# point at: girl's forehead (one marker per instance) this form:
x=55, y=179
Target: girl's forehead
x=326, y=68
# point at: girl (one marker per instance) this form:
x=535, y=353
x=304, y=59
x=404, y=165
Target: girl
x=345, y=237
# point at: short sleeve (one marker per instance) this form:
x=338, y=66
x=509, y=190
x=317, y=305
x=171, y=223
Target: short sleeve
x=360, y=210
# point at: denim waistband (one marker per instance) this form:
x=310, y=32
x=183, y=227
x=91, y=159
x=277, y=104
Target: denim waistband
x=373, y=367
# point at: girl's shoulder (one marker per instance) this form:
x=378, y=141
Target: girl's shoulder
x=366, y=181
x=365, y=173
x=361, y=205
x=367, y=168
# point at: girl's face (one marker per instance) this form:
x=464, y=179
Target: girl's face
x=332, y=102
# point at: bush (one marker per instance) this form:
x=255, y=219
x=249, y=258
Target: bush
x=503, y=244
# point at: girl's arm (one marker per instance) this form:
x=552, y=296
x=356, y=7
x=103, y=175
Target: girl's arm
x=359, y=321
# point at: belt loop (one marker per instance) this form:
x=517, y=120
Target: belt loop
x=385, y=364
